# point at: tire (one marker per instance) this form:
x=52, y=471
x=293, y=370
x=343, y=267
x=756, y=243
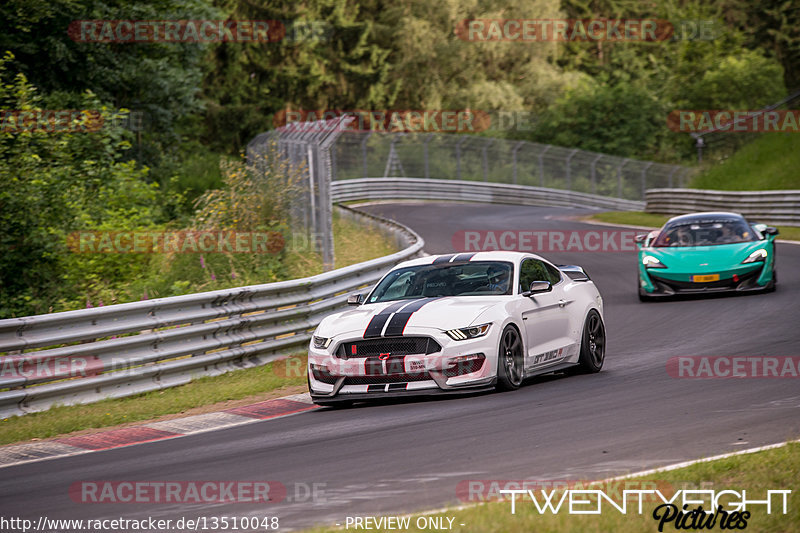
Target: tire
x=593, y=344
x=510, y=360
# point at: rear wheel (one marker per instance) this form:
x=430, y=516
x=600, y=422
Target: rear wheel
x=593, y=344
x=509, y=360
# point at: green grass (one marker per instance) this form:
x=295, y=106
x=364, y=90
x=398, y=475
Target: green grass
x=248, y=383
x=352, y=243
x=756, y=473
x=631, y=218
x=651, y=220
x=768, y=163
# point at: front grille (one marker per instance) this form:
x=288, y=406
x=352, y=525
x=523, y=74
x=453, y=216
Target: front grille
x=389, y=378
x=323, y=375
x=723, y=284
x=464, y=367
x=387, y=345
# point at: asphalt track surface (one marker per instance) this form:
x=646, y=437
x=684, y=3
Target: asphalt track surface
x=408, y=456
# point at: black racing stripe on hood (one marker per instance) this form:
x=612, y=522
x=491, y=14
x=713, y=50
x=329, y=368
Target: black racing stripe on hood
x=443, y=259
x=398, y=322
x=375, y=326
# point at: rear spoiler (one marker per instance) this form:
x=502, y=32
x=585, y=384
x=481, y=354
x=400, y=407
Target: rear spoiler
x=575, y=272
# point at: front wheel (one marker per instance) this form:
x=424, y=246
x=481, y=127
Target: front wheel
x=509, y=360
x=593, y=344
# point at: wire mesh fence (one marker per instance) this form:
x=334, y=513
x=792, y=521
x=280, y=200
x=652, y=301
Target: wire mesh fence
x=473, y=158
x=304, y=149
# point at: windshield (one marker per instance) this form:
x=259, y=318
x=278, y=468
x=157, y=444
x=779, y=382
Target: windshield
x=705, y=233
x=477, y=278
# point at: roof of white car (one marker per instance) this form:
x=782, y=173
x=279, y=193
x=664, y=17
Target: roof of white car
x=469, y=256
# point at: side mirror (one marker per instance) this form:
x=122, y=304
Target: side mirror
x=769, y=230
x=355, y=299
x=640, y=238
x=538, y=287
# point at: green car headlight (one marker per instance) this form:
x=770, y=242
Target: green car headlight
x=758, y=255
x=652, y=262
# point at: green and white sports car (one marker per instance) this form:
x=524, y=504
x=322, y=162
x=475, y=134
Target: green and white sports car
x=704, y=253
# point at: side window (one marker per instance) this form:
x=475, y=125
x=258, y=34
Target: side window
x=532, y=270
x=554, y=275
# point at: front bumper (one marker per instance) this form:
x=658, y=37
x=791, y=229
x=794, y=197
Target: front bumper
x=663, y=282
x=457, y=366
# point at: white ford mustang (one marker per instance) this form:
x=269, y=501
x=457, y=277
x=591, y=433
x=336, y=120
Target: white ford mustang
x=458, y=323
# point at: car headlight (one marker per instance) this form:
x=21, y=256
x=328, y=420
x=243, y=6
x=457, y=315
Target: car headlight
x=321, y=342
x=652, y=262
x=472, y=332
x=758, y=255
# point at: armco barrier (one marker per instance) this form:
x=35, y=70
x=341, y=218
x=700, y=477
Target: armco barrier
x=471, y=191
x=771, y=207
x=131, y=348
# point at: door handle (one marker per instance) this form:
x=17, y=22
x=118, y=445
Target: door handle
x=562, y=302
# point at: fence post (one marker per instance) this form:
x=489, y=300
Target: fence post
x=458, y=157
x=486, y=159
x=594, y=173
x=364, y=153
x=541, y=165
x=514, y=159
x=619, y=177
x=427, y=165
x=672, y=172
x=569, y=168
x=644, y=177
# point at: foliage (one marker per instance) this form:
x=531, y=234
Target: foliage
x=53, y=184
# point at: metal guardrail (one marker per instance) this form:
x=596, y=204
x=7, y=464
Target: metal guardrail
x=471, y=191
x=119, y=350
x=772, y=207
x=496, y=160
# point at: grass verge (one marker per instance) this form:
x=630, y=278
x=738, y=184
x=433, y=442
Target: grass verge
x=352, y=243
x=768, y=163
x=774, y=469
x=651, y=220
x=202, y=395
